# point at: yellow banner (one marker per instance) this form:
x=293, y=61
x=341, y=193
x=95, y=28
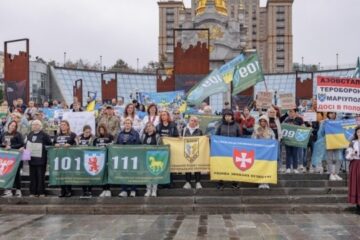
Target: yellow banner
x=189, y=154
x=223, y=168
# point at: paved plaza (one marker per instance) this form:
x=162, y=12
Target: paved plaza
x=186, y=227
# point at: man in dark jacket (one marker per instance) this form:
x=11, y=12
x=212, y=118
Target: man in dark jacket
x=229, y=127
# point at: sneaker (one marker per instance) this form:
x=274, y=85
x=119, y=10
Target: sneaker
x=338, y=177
x=198, y=185
x=7, y=193
x=132, y=194
x=108, y=193
x=123, y=194
x=264, y=186
x=332, y=177
x=103, y=194
x=18, y=193
x=296, y=171
x=41, y=195
x=154, y=193
x=148, y=193
x=235, y=185
x=187, y=186
x=220, y=186
x=86, y=195
x=32, y=195
x=288, y=170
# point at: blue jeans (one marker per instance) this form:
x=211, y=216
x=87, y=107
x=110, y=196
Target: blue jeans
x=291, y=157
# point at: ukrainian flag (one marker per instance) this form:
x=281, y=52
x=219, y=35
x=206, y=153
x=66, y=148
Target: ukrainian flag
x=339, y=133
x=243, y=159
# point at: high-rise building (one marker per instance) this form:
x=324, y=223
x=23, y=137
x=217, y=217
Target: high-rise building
x=235, y=26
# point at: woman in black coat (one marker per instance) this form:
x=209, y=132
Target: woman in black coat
x=36, y=142
x=12, y=139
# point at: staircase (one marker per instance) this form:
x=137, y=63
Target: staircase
x=293, y=193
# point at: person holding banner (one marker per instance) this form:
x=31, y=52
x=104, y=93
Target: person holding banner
x=150, y=137
x=353, y=154
x=246, y=122
x=192, y=129
x=65, y=138
x=103, y=138
x=292, y=153
x=12, y=139
x=263, y=131
x=85, y=139
x=128, y=136
x=36, y=142
x=333, y=156
x=274, y=124
x=228, y=128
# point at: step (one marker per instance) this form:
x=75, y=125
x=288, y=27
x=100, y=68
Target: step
x=185, y=200
x=76, y=191
x=174, y=209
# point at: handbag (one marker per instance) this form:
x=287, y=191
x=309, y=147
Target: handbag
x=26, y=155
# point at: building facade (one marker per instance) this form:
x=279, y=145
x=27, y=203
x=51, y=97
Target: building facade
x=235, y=26
x=1, y=65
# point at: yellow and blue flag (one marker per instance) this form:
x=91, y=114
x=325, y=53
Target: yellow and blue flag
x=338, y=133
x=243, y=159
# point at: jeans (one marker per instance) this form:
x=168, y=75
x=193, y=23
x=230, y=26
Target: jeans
x=291, y=157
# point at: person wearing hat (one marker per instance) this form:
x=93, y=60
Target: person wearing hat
x=110, y=120
x=263, y=131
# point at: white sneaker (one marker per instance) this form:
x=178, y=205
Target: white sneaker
x=198, y=185
x=18, y=193
x=187, y=185
x=7, y=193
x=148, y=193
x=108, y=193
x=103, y=194
x=296, y=171
x=332, y=177
x=123, y=194
x=338, y=177
x=264, y=186
x=154, y=193
x=132, y=194
x=288, y=170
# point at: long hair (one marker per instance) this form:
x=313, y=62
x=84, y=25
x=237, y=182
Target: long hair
x=16, y=127
x=68, y=124
x=103, y=126
x=126, y=108
x=168, y=115
x=355, y=135
x=150, y=106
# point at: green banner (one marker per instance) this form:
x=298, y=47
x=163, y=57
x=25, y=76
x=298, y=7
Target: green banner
x=296, y=136
x=208, y=123
x=211, y=84
x=9, y=164
x=247, y=74
x=138, y=164
x=77, y=166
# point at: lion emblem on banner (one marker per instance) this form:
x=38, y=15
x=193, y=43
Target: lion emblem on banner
x=94, y=162
x=6, y=166
x=191, y=149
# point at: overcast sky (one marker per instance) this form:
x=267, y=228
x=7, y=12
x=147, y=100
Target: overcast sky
x=128, y=29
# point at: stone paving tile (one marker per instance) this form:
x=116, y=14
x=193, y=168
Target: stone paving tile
x=182, y=227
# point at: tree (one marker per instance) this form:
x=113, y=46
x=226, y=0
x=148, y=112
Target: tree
x=152, y=66
x=121, y=66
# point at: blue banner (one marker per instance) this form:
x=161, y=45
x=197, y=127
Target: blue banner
x=169, y=100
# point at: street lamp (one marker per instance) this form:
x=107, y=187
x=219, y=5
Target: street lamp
x=319, y=66
x=337, y=60
x=64, y=58
x=137, y=64
x=302, y=63
x=100, y=62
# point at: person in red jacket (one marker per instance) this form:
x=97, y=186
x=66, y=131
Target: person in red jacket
x=246, y=122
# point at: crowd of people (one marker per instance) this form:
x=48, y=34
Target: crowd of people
x=25, y=126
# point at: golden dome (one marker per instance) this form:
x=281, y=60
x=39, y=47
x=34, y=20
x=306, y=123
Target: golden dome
x=220, y=6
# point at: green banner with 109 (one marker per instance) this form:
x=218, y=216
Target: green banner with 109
x=136, y=165
x=77, y=166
